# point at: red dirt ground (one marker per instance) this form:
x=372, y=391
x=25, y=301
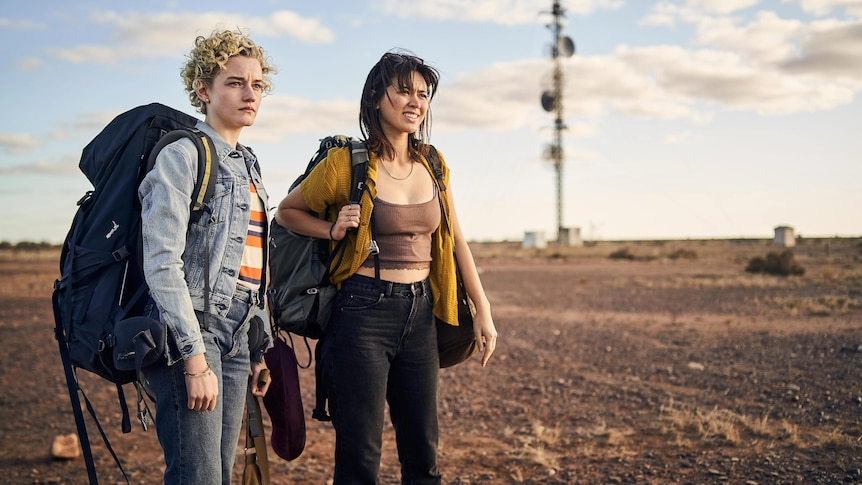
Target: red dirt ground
x=664, y=369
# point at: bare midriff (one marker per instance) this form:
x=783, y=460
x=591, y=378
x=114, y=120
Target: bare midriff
x=397, y=275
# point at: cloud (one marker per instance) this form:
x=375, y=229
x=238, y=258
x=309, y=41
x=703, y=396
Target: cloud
x=68, y=166
x=666, y=14
x=16, y=144
x=661, y=15
x=767, y=39
x=29, y=64
x=500, y=97
x=504, y=12
x=825, y=7
x=584, y=129
x=724, y=79
x=281, y=115
x=682, y=137
x=826, y=47
x=770, y=65
x=18, y=24
x=831, y=49
x=667, y=82
x=136, y=35
x=722, y=6
x=92, y=122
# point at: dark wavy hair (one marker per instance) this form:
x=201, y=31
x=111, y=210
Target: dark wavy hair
x=394, y=68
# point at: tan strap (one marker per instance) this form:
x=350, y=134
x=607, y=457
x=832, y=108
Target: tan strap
x=255, y=440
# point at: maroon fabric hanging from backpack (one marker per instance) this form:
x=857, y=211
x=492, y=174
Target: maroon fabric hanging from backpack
x=283, y=402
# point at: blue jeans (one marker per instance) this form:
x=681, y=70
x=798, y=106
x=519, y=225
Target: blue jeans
x=381, y=347
x=200, y=446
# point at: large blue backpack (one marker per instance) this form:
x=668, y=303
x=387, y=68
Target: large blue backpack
x=101, y=277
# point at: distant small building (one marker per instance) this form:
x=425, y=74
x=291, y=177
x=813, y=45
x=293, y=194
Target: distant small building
x=784, y=237
x=570, y=236
x=534, y=239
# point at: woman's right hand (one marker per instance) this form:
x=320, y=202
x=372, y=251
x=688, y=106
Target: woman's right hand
x=201, y=384
x=348, y=218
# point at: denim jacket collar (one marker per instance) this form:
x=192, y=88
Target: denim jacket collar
x=223, y=148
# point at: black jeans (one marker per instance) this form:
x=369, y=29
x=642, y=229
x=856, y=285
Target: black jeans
x=381, y=346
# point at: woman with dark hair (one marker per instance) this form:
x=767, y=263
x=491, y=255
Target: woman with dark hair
x=395, y=277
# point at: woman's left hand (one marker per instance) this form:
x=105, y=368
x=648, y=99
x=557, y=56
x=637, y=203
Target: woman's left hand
x=259, y=378
x=486, y=335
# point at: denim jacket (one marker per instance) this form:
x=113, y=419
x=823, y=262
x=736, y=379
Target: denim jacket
x=173, y=248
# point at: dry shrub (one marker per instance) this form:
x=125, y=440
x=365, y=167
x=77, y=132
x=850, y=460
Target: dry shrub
x=683, y=254
x=723, y=425
x=820, y=306
x=534, y=447
x=622, y=253
x=779, y=264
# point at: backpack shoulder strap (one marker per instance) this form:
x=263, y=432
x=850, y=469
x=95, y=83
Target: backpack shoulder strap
x=436, y=166
x=358, y=174
x=207, y=173
x=359, y=167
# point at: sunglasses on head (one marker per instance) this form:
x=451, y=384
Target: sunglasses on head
x=399, y=58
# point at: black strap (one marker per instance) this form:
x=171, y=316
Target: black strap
x=72, y=384
x=359, y=167
x=436, y=166
x=319, y=412
x=74, y=388
x=375, y=253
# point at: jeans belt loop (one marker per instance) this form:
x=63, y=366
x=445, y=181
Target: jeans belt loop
x=388, y=288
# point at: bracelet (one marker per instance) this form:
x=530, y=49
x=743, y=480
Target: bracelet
x=330, y=232
x=205, y=373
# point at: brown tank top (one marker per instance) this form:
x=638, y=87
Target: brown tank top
x=403, y=233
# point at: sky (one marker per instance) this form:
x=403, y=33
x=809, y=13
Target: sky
x=684, y=118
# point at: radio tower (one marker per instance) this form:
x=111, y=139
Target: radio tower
x=552, y=101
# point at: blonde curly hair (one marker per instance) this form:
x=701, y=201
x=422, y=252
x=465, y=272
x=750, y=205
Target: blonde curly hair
x=210, y=55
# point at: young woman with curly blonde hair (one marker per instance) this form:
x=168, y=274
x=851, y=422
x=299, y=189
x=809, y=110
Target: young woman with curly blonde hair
x=201, y=385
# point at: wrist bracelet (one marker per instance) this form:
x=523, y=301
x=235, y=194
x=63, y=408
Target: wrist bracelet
x=205, y=373
x=330, y=231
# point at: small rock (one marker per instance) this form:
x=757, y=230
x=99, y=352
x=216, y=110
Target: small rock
x=793, y=388
x=696, y=366
x=66, y=447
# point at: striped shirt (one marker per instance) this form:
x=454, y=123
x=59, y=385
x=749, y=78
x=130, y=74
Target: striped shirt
x=251, y=268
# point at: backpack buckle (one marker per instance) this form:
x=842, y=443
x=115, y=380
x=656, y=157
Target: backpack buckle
x=373, y=248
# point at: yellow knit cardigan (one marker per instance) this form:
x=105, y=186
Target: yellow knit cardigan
x=328, y=185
